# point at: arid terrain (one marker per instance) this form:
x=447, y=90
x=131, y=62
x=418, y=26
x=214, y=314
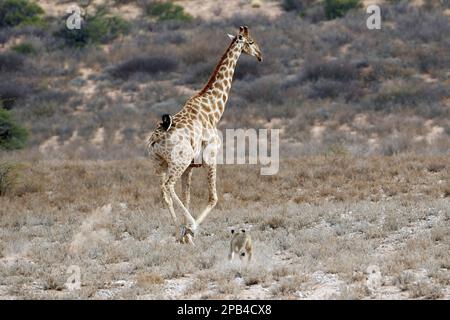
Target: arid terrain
x=318, y=227
x=360, y=207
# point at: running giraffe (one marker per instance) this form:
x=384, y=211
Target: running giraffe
x=173, y=146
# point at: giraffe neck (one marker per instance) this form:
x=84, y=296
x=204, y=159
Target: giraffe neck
x=219, y=84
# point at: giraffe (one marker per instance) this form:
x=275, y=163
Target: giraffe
x=175, y=143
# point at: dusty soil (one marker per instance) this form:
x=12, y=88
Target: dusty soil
x=379, y=233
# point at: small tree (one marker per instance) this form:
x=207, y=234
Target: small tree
x=12, y=135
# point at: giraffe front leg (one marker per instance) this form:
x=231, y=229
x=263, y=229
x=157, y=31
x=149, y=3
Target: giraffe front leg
x=212, y=193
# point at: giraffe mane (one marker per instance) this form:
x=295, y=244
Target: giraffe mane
x=216, y=69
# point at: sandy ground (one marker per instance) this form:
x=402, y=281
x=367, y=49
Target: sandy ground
x=106, y=220
x=124, y=280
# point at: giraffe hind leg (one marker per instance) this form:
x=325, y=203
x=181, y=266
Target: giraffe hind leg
x=159, y=168
x=187, y=231
x=168, y=200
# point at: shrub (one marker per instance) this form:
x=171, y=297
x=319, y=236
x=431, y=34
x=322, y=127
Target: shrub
x=264, y=89
x=24, y=48
x=293, y=5
x=247, y=69
x=329, y=88
x=19, y=12
x=4, y=37
x=10, y=92
x=395, y=143
x=10, y=61
x=9, y=176
x=166, y=11
x=44, y=110
x=122, y=2
x=336, y=70
x=407, y=95
x=173, y=37
x=299, y=6
x=12, y=135
x=151, y=65
x=99, y=28
x=316, y=14
x=199, y=73
x=422, y=26
x=430, y=60
x=336, y=37
x=338, y=8
x=57, y=97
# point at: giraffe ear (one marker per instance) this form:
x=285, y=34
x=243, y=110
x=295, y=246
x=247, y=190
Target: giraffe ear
x=231, y=36
x=241, y=29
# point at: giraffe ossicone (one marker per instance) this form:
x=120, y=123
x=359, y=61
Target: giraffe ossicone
x=177, y=141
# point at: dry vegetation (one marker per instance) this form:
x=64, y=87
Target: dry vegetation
x=325, y=83
x=317, y=226
x=364, y=180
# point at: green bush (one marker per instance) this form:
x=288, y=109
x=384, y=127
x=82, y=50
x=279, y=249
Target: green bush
x=338, y=8
x=24, y=48
x=12, y=135
x=9, y=176
x=20, y=12
x=167, y=11
x=99, y=28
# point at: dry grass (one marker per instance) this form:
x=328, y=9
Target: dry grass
x=317, y=225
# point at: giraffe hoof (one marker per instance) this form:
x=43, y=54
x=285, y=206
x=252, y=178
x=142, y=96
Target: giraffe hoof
x=188, y=240
x=186, y=235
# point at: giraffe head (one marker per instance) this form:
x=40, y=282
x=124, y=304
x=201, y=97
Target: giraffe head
x=247, y=43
